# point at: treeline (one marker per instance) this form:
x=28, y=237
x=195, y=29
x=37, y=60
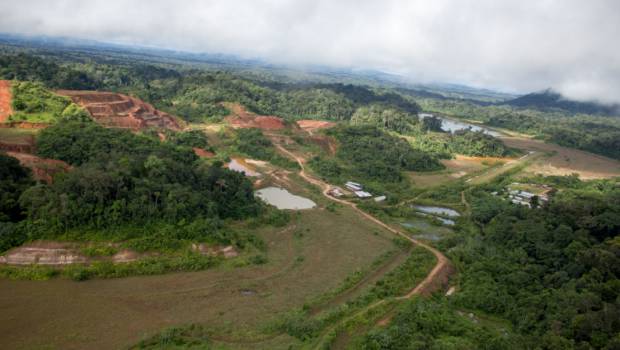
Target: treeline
x=25, y=67
x=596, y=136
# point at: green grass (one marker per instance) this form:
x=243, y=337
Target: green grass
x=34, y=103
x=333, y=246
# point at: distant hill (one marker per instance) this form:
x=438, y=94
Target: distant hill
x=550, y=99
x=74, y=49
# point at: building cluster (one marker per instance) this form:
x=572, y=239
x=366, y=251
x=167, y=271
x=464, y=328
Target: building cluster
x=357, y=189
x=526, y=198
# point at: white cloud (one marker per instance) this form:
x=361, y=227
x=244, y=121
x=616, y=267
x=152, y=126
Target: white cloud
x=521, y=46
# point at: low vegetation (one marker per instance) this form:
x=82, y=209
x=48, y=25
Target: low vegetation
x=32, y=102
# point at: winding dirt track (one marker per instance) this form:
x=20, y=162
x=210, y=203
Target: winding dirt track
x=437, y=278
x=440, y=272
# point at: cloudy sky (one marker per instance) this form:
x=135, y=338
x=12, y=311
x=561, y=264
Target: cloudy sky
x=517, y=46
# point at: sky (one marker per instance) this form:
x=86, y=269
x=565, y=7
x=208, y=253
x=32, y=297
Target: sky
x=517, y=46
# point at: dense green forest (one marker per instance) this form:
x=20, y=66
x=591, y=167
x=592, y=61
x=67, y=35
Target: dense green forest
x=367, y=152
x=196, y=95
x=552, y=273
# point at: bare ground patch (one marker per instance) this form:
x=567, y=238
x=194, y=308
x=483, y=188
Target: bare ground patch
x=241, y=118
x=565, y=161
x=121, y=111
x=5, y=100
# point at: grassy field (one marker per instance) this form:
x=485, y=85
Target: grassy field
x=17, y=136
x=311, y=256
x=565, y=161
x=456, y=168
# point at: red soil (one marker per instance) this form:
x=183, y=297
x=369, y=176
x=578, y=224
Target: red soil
x=241, y=118
x=17, y=147
x=203, y=153
x=5, y=100
x=312, y=125
x=23, y=125
x=42, y=169
x=121, y=111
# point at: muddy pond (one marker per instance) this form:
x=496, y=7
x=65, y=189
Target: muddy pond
x=283, y=199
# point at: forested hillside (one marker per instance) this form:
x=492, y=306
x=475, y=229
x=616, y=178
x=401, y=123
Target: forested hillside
x=124, y=186
x=550, y=100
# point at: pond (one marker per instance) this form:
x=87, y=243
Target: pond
x=283, y=199
x=451, y=125
x=420, y=225
x=239, y=165
x=437, y=210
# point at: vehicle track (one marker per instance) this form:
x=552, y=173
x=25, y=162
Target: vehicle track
x=436, y=278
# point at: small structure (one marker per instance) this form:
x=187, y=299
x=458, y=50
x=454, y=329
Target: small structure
x=335, y=192
x=353, y=186
x=380, y=198
x=363, y=194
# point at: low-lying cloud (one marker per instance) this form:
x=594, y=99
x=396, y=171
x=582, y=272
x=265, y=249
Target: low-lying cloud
x=512, y=45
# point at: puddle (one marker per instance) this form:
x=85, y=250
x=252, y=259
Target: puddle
x=247, y=292
x=283, y=199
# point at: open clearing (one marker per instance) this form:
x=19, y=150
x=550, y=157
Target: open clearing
x=455, y=168
x=242, y=118
x=309, y=258
x=565, y=161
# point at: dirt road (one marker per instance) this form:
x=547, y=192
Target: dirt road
x=436, y=278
